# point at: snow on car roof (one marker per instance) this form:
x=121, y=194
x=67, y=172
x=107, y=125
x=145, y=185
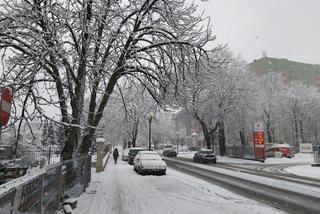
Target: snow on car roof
x=148, y=152
x=206, y=150
x=284, y=145
x=136, y=148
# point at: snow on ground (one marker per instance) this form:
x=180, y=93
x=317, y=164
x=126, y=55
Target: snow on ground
x=303, y=161
x=304, y=170
x=299, y=188
x=299, y=158
x=119, y=189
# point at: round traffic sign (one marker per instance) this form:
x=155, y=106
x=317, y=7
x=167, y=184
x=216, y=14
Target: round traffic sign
x=5, y=105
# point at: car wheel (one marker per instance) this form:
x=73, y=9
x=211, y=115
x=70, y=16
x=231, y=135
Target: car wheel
x=194, y=160
x=214, y=161
x=163, y=172
x=140, y=172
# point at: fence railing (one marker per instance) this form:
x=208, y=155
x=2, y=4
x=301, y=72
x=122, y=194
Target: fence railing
x=240, y=152
x=41, y=191
x=51, y=155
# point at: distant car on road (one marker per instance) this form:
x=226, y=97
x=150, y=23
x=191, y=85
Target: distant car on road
x=205, y=156
x=169, y=153
x=125, y=154
x=149, y=162
x=132, y=153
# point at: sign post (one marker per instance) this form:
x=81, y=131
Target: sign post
x=5, y=107
x=258, y=141
x=316, y=156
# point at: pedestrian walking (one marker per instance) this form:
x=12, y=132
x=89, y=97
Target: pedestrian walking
x=115, y=155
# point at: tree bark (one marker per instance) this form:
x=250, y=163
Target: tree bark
x=205, y=133
x=296, y=132
x=222, y=142
x=135, y=132
x=301, y=131
x=269, y=132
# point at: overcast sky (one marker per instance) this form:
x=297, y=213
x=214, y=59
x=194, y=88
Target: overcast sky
x=284, y=28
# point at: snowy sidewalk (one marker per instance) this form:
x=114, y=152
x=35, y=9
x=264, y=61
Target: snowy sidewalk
x=120, y=190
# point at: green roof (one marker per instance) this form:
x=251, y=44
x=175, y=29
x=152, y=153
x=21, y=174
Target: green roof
x=297, y=71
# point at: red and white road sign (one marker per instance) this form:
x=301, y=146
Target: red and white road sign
x=5, y=105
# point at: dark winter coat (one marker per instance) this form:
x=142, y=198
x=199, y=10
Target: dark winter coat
x=115, y=153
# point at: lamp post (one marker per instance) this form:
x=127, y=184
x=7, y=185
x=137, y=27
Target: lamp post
x=150, y=117
x=177, y=133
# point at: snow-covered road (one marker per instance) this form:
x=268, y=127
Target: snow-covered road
x=120, y=190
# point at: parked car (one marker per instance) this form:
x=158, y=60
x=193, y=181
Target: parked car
x=132, y=153
x=285, y=149
x=125, y=154
x=149, y=162
x=205, y=156
x=169, y=153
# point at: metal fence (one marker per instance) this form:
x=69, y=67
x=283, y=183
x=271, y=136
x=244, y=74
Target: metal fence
x=237, y=151
x=42, y=191
x=51, y=155
x=78, y=172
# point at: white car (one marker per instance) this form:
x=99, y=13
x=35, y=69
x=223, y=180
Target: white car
x=149, y=162
x=125, y=154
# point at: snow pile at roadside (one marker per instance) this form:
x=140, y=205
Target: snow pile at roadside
x=291, y=186
x=304, y=170
x=299, y=158
x=121, y=190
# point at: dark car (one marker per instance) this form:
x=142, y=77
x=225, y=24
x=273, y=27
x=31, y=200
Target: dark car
x=206, y=156
x=132, y=153
x=169, y=153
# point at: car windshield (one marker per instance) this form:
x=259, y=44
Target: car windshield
x=150, y=157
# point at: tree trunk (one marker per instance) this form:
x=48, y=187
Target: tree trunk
x=269, y=131
x=296, y=132
x=135, y=132
x=205, y=133
x=94, y=119
x=124, y=144
x=315, y=133
x=222, y=143
x=273, y=135
x=301, y=131
x=242, y=137
x=67, y=151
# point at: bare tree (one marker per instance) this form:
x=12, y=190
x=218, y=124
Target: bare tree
x=213, y=94
x=301, y=100
x=59, y=52
x=126, y=111
x=270, y=90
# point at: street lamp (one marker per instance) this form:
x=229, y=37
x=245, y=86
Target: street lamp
x=150, y=117
x=177, y=133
